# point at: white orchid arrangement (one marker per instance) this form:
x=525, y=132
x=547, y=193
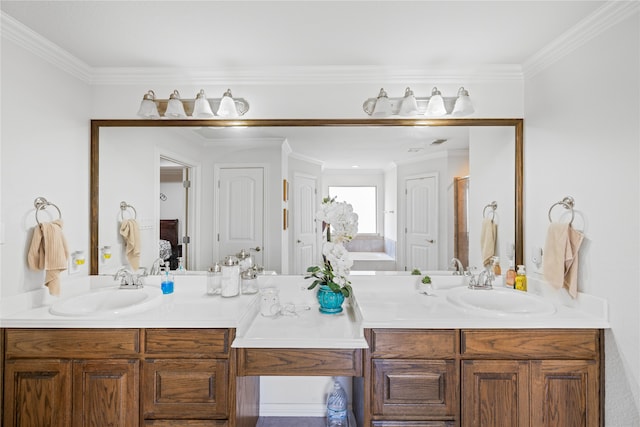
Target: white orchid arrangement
x=339, y=225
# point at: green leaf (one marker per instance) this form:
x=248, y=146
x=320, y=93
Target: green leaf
x=415, y=272
x=346, y=291
x=426, y=280
x=313, y=269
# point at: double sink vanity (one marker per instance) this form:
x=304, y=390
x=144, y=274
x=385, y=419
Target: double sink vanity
x=452, y=357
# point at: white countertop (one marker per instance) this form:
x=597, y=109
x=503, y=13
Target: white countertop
x=380, y=302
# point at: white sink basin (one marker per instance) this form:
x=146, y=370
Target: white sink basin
x=501, y=302
x=108, y=302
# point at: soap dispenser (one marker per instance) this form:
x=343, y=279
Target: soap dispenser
x=521, y=279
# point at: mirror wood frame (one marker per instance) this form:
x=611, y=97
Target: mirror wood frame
x=516, y=123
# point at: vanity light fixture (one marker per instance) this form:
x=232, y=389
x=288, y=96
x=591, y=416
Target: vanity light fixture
x=435, y=105
x=227, y=106
x=408, y=105
x=382, y=106
x=463, y=104
x=199, y=108
x=148, y=108
x=175, y=109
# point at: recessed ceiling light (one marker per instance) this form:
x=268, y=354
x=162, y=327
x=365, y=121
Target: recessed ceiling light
x=415, y=149
x=355, y=166
x=438, y=141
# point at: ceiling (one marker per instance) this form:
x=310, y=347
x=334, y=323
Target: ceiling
x=244, y=35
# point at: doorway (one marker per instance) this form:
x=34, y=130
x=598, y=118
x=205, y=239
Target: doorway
x=305, y=229
x=421, y=222
x=240, y=212
x=175, y=210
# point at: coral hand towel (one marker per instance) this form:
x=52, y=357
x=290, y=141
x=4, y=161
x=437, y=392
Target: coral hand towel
x=131, y=232
x=488, y=240
x=48, y=251
x=560, y=257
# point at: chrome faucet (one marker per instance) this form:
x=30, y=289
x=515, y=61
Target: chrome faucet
x=156, y=266
x=484, y=280
x=456, y=264
x=129, y=280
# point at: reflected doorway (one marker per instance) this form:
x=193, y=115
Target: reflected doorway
x=175, y=200
x=461, y=220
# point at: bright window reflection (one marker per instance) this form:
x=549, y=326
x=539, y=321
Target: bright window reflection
x=363, y=200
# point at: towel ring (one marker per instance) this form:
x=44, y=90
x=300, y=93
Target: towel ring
x=123, y=207
x=493, y=205
x=567, y=203
x=41, y=203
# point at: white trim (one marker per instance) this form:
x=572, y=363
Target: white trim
x=33, y=42
x=611, y=13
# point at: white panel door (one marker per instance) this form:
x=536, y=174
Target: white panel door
x=241, y=211
x=421, y=227
x=305, y=234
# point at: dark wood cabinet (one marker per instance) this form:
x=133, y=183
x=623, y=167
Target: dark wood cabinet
x=89, y=383
x=186, y=376
x=37, y=393
x=100, y=377
x=411, y=378
x=555, y=379
x=483, y=377
x=406, y=378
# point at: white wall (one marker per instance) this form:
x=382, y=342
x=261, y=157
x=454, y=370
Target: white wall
x=492, y=162
x=581, y=139
x=45, y=152
x=438, y=163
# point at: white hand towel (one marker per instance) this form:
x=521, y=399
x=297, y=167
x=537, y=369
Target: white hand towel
x=488, y=234
x=131, y=232
x=48, y=251
x=560, y=257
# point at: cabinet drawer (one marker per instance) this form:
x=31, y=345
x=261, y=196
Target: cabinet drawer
x=72, y=343
x=410, y=343
x=193, y=343
x=412, y=423
x=531, y=344
x=292, y=362
x=417, y=388
x=186, y=388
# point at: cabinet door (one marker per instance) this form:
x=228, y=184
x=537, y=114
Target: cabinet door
x=422, y=389
x=105, y=393
x=37, y=393
x=185, y=389
x=565, y=393
x=495, y=393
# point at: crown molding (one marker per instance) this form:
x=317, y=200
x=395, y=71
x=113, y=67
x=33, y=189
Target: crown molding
x=23, y=36
x=605, y=17
x=33, y=42
x=610, y=14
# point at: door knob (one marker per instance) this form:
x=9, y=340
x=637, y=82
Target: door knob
x=257, y=249
x=298, y=241
x=430, y=241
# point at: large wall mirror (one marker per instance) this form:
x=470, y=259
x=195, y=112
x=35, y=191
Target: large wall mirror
x=202, y=189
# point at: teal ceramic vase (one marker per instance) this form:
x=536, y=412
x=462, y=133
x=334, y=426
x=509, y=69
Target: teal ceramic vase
x=330, y=302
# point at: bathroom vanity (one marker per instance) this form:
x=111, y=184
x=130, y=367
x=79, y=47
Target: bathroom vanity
x=190, y=362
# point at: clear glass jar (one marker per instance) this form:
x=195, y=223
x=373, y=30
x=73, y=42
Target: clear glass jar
x=214, y=280
x=230, y=283
x=249, y=282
